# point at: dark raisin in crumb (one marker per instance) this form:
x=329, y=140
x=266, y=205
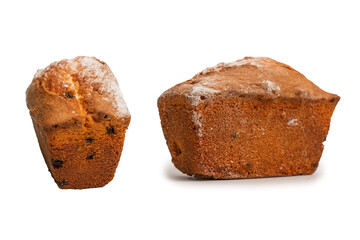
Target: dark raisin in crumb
x=248, y=165
x=55, y=126
x=315, y=164
x=57, y=163
x=110, y=130
x=62, y=183
x=90, y=156
x=69, y=95
x=234, y=135
x=106, y=116
x=89, y=140
x=178, y=151
x=202, y=97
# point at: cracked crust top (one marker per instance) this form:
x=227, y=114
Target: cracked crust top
x=74, y=88
x=259, y=76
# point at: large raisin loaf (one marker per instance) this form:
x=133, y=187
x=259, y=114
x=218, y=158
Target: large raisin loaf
x=80, y=119
x=251, y=118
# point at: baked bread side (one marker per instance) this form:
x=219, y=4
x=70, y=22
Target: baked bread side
x=80, y=119
x=251, y=118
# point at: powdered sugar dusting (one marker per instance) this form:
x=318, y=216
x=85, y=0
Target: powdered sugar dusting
x=198, y=92
x=201, y=90
x=99, y=75
x=87, y=72
x=245, y=61
x=271, y=87
x=209, y=83
x=293, y=122
x=196, y=119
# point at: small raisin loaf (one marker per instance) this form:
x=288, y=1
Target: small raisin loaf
x=80, y=119
x=251, y=118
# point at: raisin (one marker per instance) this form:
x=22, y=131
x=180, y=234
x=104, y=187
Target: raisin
x=110, y=130
x=69, y=95
x=90, y=156
x=234, y=135
x=248, y=165
x=89, y=140
x=315, y=165
x=106, y=116
x=177, y=149
x=57, y=163
x=62, y=183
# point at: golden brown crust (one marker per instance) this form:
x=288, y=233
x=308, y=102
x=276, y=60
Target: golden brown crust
x=80, y=119
x=252, y=118
x=250, y=76
x=73, y=88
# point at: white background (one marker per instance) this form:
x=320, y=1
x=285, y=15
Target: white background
x=150, y=46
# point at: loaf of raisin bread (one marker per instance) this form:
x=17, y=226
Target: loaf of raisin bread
x=80, y=119
x=251, y=118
